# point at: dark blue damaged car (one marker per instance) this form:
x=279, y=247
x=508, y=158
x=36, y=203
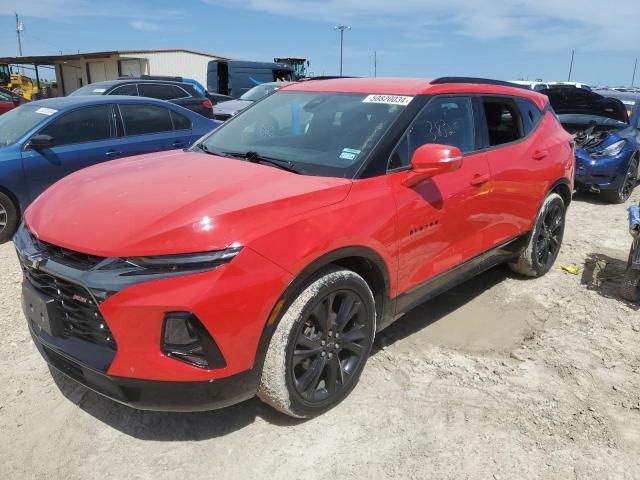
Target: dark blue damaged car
x=607, y=138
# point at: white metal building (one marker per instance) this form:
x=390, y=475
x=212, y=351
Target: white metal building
x=74, y=71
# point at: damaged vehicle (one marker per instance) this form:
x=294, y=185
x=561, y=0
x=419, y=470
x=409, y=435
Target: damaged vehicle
x=630, y=288
x=606, y=136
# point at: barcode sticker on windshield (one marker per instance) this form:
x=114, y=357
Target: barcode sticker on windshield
x=388, y=99
x=99, y=90
x=46, y=111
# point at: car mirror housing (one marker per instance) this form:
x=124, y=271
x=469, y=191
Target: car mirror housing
x=41, y=142
x=432, y=159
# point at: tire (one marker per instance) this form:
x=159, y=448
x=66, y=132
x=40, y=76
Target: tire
x=630, y=288
x=306, y=370
x=545, y=241
x=9, y=218
x=623, y=193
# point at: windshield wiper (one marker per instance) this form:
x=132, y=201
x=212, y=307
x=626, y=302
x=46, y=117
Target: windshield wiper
x=255, y=157
x=203, y=147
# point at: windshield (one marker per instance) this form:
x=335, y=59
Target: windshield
x=91, y=89
x=327, y=134
x=256, y=93
x=17, y=122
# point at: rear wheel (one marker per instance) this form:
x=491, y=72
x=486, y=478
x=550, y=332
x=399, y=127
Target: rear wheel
x=630, y=288
x=320, y=346
x=8, y=218
x=623, y=193
x=546, y=239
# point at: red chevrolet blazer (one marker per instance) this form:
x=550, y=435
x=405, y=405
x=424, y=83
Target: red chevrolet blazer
x=264, y=259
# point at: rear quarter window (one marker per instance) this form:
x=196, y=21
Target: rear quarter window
x=530, y=114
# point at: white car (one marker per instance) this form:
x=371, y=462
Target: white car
x=536, y=85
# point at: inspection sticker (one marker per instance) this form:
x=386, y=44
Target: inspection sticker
x=46, y=111
x=349, y=154
x=388, y=99
x=99, y=90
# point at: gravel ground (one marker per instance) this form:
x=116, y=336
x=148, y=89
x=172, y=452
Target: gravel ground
x=501, y=378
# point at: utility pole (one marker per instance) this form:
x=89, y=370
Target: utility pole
x=375, y=63
x=633, y=79
x=19, y=28
x=571, y=65
x=342, y=28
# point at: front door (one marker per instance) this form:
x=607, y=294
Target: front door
x=441, y=221
x=81, y=137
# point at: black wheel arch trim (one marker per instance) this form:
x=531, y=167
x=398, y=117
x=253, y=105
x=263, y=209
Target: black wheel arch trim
x=13, y=198
x=340, y=257
x=564, y=181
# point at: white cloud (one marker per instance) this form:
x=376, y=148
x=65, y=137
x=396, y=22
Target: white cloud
x=144, y=26
x=538, y=24
x=85, y=8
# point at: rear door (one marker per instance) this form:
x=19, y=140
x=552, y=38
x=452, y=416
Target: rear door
x=441, y=220
x=82, y=137
x=519, y=160
x=145, y=128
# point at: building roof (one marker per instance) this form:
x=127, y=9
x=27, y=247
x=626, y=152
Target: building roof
x=51, y=59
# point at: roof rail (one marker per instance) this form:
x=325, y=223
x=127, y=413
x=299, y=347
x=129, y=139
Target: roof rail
x=481, y=81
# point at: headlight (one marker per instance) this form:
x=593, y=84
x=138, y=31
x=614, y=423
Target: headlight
x=610, y=151
x=187, y=261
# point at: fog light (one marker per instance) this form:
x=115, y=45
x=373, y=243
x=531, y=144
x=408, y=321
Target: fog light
x=185, y=338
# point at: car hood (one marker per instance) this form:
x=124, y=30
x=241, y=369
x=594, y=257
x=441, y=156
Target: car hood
x=231, y=107
x=571, y=100
x=174, y=202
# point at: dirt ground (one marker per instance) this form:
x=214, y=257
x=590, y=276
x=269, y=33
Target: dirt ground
x=501, y=378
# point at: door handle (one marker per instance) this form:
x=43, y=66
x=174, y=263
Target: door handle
x=177, y=143
x=113, y=153
x=539, y=154
x=479, y=179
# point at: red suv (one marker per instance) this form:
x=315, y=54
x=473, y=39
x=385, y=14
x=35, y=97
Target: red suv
x=265, y=259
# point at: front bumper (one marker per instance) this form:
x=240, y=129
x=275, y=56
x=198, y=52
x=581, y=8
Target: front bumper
x=232, y=301
x=149, y=394
x=604, y=173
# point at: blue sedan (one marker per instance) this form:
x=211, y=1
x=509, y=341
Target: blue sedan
x=606, y=131
x=43, y=141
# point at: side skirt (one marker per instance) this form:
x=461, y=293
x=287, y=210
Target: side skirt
x=457, y=275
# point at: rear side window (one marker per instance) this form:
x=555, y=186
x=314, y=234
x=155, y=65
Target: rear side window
x=83, y=125
x=530, y=114
x=179, y=92
x=145, y=119
x=503, y=121
x=444, y=120
x=180, y=122
x=130, y=89
x=157, y=90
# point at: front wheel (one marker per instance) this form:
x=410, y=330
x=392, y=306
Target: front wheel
x=320, y=346
x=546, y=239
x=623, y=193
x=9, y=218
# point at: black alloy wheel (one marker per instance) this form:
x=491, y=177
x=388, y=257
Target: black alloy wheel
x=550, y=235
x=625, y=190
x=331, y=345
x=630, y=181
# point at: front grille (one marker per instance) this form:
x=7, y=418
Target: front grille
x=77, y=308
x=70, y=258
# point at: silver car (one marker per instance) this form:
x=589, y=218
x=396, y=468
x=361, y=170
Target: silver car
x=225, y=110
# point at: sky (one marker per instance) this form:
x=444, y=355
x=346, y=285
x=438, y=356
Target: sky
x=503, y=39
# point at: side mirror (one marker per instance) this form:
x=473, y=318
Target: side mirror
x=432, y=159
x=41, y=142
